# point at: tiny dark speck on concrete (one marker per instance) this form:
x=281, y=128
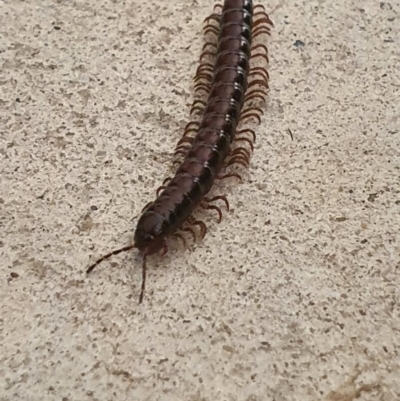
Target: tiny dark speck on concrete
x=372, y=197
x=385, y=6
x=299, y=43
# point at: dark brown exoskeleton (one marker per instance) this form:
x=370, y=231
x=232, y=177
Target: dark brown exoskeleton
x=228, y=84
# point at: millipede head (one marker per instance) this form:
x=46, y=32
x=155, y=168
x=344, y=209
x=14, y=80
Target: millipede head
x=149, y=237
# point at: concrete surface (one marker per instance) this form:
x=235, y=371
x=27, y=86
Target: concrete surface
x=294, y=296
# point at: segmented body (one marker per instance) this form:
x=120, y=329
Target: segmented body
x=210, y=147
x=207, y=152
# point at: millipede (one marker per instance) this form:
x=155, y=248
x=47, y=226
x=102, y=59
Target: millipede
x=212, y=143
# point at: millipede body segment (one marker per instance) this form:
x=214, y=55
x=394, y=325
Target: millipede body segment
x=229, y=85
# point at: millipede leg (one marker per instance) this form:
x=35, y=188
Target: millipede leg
x=258, y=109
x=252, y=112
x=207, y=206
x=249, y=115
x=164, y=248
x=218, y=197
x=241, y=151
x=255, y=96
x=201, y=224
x=205, y=67
x=181, y=148
x=247, y=140
x=204, y=72
x=207, y=53
x=264, y=78
x=240, y=160
x=212, y=44
x=181, y=152
x=203, y=227
x=195, y=106
x=237, y=160
x=146, y=206
x=263, y=82
x=203, y=75
x=191, y=231
x=259, y=70
x=201, y=86
x=211, y=29
x=213, y=16
x=260, y=46
x=207, y=201
x=261, y=91
x=159, y=189
x=181, y=237
x=248, y=131
x=218, y=6
x=264, y=56
x=265, y=18
x=258, y=82
x=258, y=6
x=199, y=110
x=251, y=96
x=230, y=175
x=191, y=131
x=261, y=30
x=183, y=140
x=191, y=127
x=262, y=22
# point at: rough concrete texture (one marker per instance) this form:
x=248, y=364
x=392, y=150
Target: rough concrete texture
x=293, y=297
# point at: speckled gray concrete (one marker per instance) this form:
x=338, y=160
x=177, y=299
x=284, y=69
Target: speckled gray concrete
x=294, y=296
